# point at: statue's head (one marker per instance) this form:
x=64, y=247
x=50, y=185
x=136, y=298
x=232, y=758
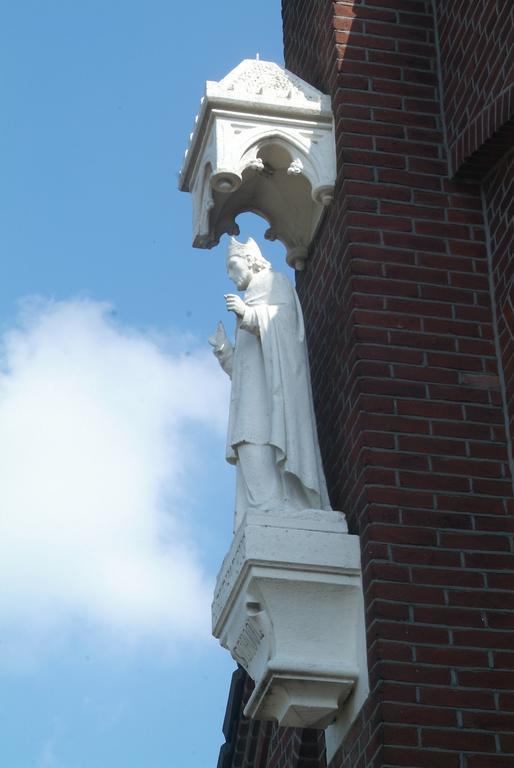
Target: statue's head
x=244, y=260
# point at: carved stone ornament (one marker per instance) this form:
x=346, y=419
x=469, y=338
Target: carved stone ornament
x=264, y=142
x=288, y=606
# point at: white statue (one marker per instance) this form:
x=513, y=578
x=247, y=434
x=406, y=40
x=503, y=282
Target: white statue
x=272, y=437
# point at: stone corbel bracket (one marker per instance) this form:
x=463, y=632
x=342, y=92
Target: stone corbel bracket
x=288, y=606
x=263, y=142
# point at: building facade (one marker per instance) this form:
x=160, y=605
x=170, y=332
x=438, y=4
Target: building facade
x=408, y=297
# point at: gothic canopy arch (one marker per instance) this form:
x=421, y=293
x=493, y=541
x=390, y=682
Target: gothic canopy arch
x=263, y=142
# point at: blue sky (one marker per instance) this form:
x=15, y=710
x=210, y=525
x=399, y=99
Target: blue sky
x=115, y=500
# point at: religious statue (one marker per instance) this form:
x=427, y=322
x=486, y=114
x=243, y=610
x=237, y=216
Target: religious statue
x=272, y=437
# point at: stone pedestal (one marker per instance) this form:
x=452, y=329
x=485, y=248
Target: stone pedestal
x=288, y=607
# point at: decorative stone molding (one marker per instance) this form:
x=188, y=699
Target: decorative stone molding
x=288, y=606
x=263, y=142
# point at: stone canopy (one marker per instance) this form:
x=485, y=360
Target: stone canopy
x=263, y=142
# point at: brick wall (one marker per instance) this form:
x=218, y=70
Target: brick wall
x=247, y=742
x=398, y=310
x=477, y=69
x=498, y=198
x=309, y=37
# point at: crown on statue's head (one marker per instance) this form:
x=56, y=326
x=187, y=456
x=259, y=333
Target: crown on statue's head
x=235, y=248
x=249, y=251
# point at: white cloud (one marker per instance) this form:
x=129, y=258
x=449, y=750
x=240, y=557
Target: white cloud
x=94, y=457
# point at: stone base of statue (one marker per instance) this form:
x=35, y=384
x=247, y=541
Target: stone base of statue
x=288, y=606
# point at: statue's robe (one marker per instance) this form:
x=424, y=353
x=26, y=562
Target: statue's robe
x=271, y=397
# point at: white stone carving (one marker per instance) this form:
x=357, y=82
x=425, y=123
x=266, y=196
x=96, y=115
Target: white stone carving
x=288, y=606
x=265, y=78
x=263, y=141
x=272, y=436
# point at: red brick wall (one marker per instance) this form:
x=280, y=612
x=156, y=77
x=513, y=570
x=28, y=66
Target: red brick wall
x=309, y=39
x=477, y=68
x=498, y=195
x=397, y=305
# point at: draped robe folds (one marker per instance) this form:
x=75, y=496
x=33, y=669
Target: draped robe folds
x=271, y=397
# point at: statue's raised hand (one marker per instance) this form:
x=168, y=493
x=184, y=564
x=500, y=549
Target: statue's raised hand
x=218, y=338
x=235, y=304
